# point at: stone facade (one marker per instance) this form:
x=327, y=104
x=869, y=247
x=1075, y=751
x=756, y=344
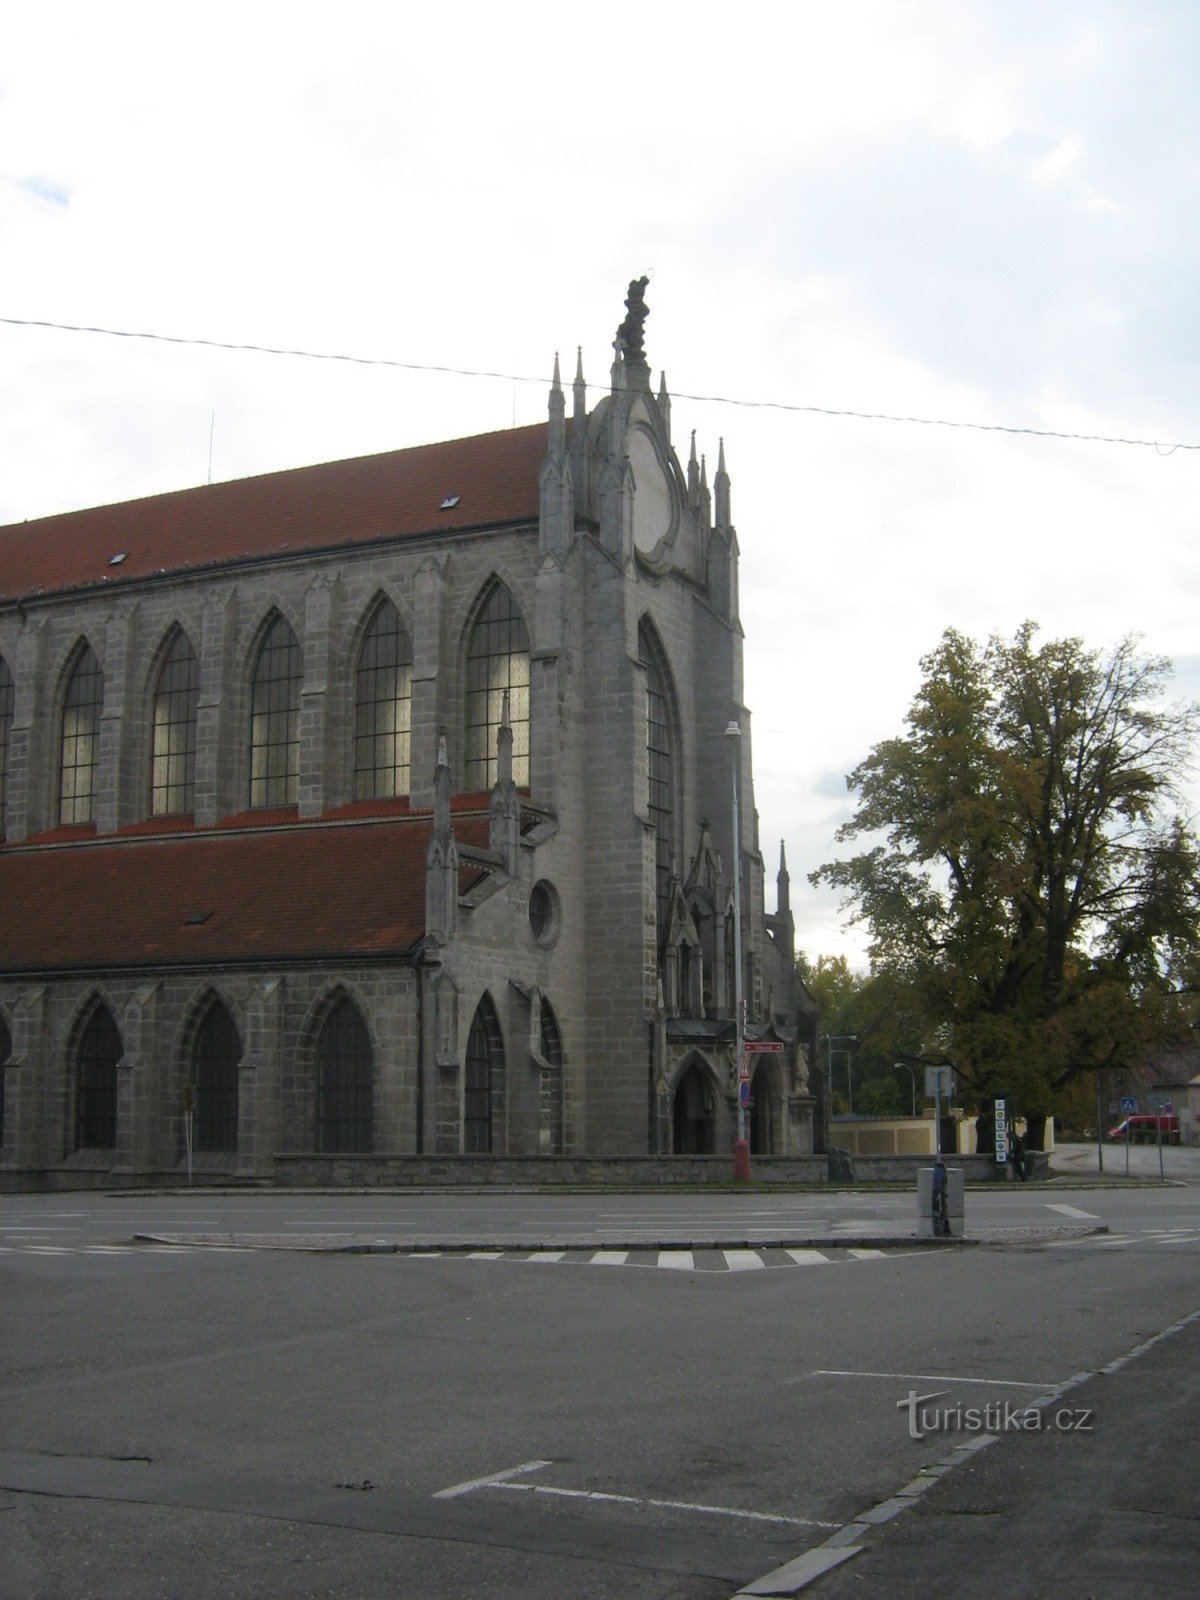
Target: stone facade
x=559, y=978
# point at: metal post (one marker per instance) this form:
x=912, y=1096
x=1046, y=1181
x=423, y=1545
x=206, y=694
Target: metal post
x=741, y=1149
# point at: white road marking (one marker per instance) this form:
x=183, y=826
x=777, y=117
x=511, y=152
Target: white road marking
x=743, y=1260
x=809, y=1258
x=921, y=1377
x=485, y=1255
x=1074, y=1211
x=666, y=1505
x=493, y=1477
x=609, y=1258
x=865, y=1255
x=547, y=1255
x=682, y=1260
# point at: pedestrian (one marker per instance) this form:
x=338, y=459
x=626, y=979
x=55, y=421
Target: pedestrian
x=1016, y=1154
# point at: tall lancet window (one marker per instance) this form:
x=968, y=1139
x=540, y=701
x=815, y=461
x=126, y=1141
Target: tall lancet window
x=275, y=719
x=383, y=708
x=176, y=700
x=497, y=662
x=79, y=752
x=7, y=699
x=660, y=765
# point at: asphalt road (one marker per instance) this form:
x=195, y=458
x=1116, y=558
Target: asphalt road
x=608, y=1422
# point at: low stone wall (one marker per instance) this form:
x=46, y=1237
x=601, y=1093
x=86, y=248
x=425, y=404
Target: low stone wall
x=615, y=1172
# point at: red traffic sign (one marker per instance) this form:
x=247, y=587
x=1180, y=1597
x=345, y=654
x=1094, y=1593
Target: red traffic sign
x=765, y=1047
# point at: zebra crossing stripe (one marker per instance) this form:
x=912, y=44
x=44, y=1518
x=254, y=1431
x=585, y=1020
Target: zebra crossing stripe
x=547, y=1255
x=681, y=1260
x=809, y=1258
x=609, y=1258
x=743, y=1260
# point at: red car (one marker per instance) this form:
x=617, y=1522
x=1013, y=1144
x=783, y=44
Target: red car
x=1145, y=1127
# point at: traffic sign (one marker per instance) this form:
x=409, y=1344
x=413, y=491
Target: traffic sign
x=1168, y=1108
x=1128, y=1103
x=765, y=1047
x=744, y=1091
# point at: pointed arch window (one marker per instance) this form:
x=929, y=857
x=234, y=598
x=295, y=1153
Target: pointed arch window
x=7, y=701
x=383, y=708
x=497, y=663
x=216, y=1054
x=275, y=718
x=176, y=702
x=5, y=1052
x=552, y=1080
x=79, y=750
x=345, y=1083
x=483, y=1099
x=96, y=1058
x=660, y=767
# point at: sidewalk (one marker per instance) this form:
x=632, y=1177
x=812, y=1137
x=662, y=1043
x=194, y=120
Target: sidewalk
x=1111, y=1513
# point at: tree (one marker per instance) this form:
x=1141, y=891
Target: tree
x=1034, y=899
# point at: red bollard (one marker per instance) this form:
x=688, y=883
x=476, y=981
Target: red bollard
x=741, y=1161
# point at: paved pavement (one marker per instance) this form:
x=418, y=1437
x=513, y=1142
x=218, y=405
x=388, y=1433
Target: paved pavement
x=1086, y=1497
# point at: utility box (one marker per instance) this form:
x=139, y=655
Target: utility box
x=955, y=1203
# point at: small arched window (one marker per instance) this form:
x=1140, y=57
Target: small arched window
x=345, y=1082
x=275, y=718
x=7, y=699
x=660, y=766
x=216, y=1054
x=96, y=1059
x=383, y=708
x=79, y=750
x=483, y=1098
x=176, y=701
x=497, y=664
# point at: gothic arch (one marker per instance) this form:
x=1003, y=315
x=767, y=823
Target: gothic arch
x=168, y=723
x=766, y=1109
x=78, y=707
x=496, y=660
x=695, y=1104
x=553, y=1085
x=213, y=1060
x=5, y=1053
x=664, y=739
x=340, y=1053
x=380, y=701
x=7, y=708
x=271, y=717
x=484, y=1081
x=96, y=1051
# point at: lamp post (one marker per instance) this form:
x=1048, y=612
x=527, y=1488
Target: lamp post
x=741, y=1148
x=912, y=1074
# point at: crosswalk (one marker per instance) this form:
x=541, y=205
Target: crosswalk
x=697, y=1260
x=1153, y=1238
x=709, y=1259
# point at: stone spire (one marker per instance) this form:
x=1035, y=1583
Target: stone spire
x=556, y=500
x=504, y=808
x=783, y=902
x=721, y=490
x=558, y=415
x=580, y=388
x=441, y=859
x=664, y=404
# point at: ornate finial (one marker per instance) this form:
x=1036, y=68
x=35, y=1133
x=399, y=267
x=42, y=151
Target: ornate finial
x=629, y=342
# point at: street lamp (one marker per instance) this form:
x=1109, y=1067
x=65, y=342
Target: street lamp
x=912, y=1074
x=841, y=1039
x=741, y=1148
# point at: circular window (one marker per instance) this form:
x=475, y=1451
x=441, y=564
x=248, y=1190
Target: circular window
x=543, y=912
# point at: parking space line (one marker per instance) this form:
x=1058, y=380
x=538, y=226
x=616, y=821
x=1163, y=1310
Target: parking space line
x=456, y=1489
x=920, y=1377
x=664, y=1505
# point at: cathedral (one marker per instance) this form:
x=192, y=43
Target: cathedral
x=374, y=821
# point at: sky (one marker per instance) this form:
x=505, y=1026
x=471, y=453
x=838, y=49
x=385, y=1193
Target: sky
x=980, y=211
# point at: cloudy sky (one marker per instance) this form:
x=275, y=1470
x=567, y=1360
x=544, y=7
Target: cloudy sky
x=985, y=211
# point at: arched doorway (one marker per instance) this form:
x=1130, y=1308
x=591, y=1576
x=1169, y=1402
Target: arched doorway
x=694, y=1113
x=763, y=1110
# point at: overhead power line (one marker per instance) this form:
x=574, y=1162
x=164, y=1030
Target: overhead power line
x=1162, y=446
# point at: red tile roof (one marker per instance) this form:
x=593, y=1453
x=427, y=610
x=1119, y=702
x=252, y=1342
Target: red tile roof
x=493, y=475
x=299, y=892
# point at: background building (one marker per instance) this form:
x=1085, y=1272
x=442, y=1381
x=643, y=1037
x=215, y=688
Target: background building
x=383, y=808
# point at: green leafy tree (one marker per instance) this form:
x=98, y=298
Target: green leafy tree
x=1032, y=896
